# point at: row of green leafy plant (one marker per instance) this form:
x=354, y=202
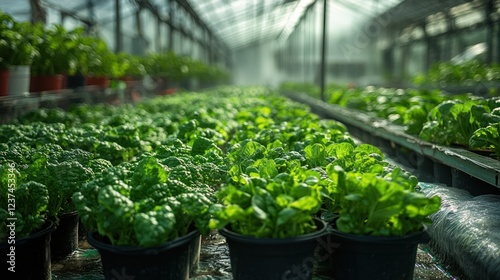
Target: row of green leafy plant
x=468, y=73
x=465, y=120
x=245, y=158
x=53, y=50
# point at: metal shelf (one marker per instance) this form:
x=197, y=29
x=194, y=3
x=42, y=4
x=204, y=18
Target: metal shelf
x=13, y=107
x=452, y=166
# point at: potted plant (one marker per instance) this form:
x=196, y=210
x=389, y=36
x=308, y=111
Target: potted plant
x=79, y=55
x=100, y=62
x=267, y=217
x=128, y=67
x=25, y=235
x=142, y=220
x=166, y=69
x=378, y=216
x=16, y=55
x=8, y=44
x=48, y=69
x=67, y=171
x=63, y=172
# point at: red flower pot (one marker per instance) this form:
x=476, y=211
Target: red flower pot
x=4, y=82
x=46, y=83
x=97, y=81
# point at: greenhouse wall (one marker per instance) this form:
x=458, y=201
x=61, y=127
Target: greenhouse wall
x=248, y=70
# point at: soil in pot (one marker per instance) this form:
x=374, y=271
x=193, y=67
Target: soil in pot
x=167, y=261
x=273, y=258
x=64, y=239
x=29, y=256
x=374, y=257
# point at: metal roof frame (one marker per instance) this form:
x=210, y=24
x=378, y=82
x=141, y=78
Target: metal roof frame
x=238, y=23
x=412, y=11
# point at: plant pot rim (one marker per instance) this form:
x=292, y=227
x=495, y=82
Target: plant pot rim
x=99, y=242
x=413, y=237
x=260, y=240
x=47, y=228
x=64, y=214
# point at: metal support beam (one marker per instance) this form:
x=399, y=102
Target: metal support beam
x=489, y=9
x=172, y=29
x=38, y=13
x=63, y=17
x=118, y=27
x=323, y=51
x=90, y=8
x=158, y=34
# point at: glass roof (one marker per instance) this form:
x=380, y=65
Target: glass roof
x=237, y=23
x=243, y=22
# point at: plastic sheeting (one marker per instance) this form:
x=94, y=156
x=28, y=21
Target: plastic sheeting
x=466, y=230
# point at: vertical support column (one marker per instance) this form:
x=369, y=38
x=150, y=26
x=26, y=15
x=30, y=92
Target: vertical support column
x=489, y=31
x=158, y=34
x=405, y=56
x=429, y=60
x=497, y=43
x=323, y=52
x=90, y=7
x=304, y=49
x=63, y=17
x=38, y=13
x=449, y=36
x=312, y=45
x=118, y=27
x=211, y=49
x=170, y=3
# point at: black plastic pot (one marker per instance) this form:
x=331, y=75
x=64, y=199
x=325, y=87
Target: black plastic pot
x=30, y=256
x=374, y=257
x=75, y=81
x=64, y=239
x=194, y=253
x=167, y=261
x=273, y=258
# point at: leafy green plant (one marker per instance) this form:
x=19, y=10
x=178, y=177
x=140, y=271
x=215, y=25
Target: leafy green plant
x=467, y=73
x=15, y=42
x=51, y=44
x=487, y=137
x=455, y=121
x=149, y=201
x=171, y=66
x=24, y=200
x=268, y=204
x=370, y=204
x=62, y=172
x=101, y=61
x=128, y=65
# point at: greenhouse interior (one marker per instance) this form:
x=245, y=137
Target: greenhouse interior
x=243, y=139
